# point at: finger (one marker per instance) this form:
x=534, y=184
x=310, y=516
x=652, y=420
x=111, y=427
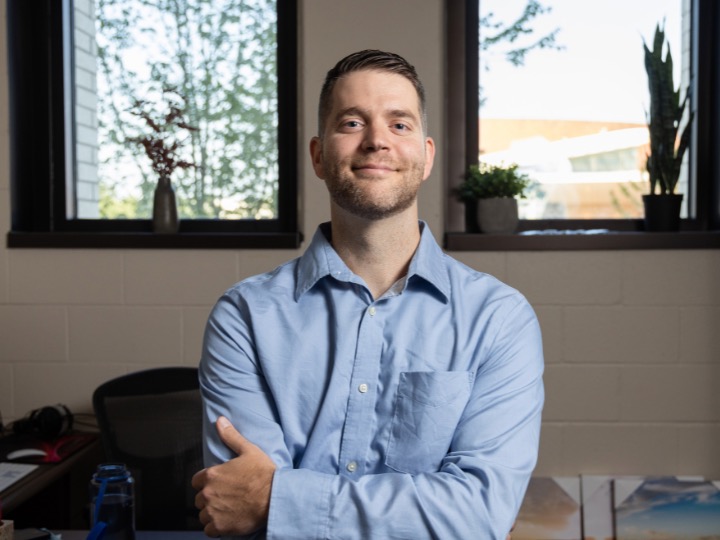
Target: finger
x=231, y=436
x=211, y=531
x=204, y=517
x=200, y=502
x=198, y=480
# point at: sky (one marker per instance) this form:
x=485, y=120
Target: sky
x=670, y=509
x=600, y=74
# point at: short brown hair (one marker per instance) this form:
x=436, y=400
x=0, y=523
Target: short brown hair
x=369, y=59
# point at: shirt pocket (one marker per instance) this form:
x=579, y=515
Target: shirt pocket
x=428, y=407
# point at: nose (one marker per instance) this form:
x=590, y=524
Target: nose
x=376, y=137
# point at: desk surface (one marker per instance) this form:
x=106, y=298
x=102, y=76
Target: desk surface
x=42, y=477
x=143, y=535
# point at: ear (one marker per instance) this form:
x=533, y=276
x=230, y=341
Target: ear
x=429, y=156
x=316, y=155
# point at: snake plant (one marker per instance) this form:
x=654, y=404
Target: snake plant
x=664, y=117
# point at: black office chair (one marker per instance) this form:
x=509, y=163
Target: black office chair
x=151, y=420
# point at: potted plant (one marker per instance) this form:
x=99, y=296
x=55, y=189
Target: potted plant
x=161, y=145
x=493, y=190
x=662, y=204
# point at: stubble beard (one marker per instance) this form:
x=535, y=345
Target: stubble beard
x=353, y=195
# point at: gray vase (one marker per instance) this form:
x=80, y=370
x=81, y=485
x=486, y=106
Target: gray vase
x=497, y=215
x=165, y=216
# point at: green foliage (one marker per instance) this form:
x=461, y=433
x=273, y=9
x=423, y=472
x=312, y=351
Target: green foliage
x=112, y=206
x=664, y=118
x=487, y=181
x=220, y=55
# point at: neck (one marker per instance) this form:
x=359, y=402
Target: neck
x=379, y=251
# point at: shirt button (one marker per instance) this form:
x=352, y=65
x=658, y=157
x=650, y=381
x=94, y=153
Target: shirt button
x=352, y=466
x=363, y=388
x=371, y=311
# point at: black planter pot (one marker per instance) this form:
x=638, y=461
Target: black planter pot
x=662, y=212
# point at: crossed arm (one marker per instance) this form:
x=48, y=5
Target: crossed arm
x=234, y=497
x=475, y=491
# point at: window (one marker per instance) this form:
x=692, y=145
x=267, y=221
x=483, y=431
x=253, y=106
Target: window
x=566, y=103
x=100, y=68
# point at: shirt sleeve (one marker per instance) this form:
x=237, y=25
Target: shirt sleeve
x=232, y=385
x=477, y=491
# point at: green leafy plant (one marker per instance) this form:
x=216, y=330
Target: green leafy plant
x=664, y=118
x=486, y=181
x=162, y=143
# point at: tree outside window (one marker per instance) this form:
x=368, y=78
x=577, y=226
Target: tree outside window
x=220, y=56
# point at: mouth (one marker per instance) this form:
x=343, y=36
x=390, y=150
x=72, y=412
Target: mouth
x=373, y=168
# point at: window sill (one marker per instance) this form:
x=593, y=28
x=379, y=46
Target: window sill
x=147, y=240
x=613, y=240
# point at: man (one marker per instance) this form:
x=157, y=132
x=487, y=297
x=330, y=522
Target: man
x=382, y=389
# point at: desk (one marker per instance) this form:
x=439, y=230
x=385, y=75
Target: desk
x=54, y=495
x=143, y=535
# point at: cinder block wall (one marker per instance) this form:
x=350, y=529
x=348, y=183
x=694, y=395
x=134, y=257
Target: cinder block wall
x=632, y=351
x=632, y=338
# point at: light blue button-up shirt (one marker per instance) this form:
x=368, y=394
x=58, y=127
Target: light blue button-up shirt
x=416, y=415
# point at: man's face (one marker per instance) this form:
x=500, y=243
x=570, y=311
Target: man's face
x=373, y=154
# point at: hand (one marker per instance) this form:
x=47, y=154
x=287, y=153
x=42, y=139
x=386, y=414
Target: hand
x=234, y=497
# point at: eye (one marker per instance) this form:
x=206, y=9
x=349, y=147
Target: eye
x=402, y=128
x=350, y=126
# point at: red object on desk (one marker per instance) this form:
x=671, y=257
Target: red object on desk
x=56, y=450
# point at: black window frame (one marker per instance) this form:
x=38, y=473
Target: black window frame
x=699, y=232
x=39, y=57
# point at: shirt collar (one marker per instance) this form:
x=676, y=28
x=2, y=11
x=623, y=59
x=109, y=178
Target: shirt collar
x=321, y=260
x=429, y=263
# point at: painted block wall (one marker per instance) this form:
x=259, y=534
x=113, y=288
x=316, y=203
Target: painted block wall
x=632, y=338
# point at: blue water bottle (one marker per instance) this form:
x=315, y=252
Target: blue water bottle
x=112, y=503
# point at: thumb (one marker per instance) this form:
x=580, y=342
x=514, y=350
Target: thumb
x=231, y=436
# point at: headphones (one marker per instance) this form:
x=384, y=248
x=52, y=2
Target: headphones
x=46, y=422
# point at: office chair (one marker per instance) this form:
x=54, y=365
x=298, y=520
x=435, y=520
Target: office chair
x=151, y=420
